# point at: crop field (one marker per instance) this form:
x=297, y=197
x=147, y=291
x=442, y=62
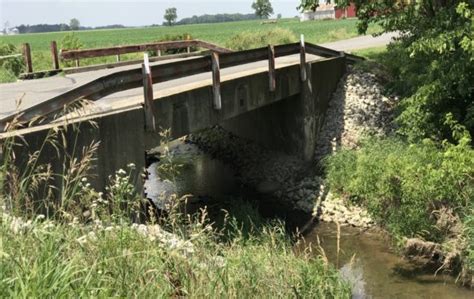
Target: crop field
x=218, y=33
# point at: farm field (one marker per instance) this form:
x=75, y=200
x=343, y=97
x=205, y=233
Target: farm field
x=218, y=33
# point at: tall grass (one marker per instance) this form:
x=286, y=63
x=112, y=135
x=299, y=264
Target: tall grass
x=88, y=245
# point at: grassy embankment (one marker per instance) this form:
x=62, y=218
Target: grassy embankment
x=420, y=189
x=224, y=34
x=86, y=246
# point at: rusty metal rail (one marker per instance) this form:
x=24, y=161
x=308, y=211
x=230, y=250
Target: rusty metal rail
x=129, y=79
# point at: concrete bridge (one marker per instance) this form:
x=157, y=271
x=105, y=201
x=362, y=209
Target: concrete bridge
x=276, y=96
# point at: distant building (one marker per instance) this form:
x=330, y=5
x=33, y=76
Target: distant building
x=10, y=31
x=13, y=31
x=328, y=10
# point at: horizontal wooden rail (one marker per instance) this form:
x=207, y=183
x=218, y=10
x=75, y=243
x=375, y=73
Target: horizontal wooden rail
x=10, y=56
x=326, y=52
x=119, y=50
x=129, y=79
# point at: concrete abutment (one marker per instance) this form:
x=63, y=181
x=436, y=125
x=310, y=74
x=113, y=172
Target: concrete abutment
x=287, y=119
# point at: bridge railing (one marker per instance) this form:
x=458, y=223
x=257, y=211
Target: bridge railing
x=129, y=79
x=76, y=55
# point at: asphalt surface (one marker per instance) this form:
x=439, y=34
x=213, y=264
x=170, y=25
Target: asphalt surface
x=23, y=94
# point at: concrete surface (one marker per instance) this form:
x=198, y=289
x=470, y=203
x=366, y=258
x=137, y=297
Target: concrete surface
x=122, y=138
x=23, y=94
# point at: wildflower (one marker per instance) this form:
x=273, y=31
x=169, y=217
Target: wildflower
x=84, y=179
x=121, y=171
x=131, y=165
x=109, y=228
x=82, y=240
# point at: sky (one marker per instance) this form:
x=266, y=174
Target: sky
x=125, y=12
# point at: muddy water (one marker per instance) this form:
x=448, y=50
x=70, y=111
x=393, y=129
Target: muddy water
x=375, y=271
x=366, y=259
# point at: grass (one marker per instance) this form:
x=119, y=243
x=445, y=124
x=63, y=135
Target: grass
x=423, y=190
x=87, y=245
x=371, y=53
x=48, y=259
x=314, y=31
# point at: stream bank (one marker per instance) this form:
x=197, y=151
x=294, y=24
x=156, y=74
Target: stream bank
x=366, y=260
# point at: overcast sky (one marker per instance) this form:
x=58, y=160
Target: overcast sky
x=126, y=12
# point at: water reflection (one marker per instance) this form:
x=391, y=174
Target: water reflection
x=200, y=176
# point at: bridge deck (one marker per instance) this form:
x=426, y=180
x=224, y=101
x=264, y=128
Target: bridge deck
x=36, y=91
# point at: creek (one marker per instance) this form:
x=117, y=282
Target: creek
x=365, y=259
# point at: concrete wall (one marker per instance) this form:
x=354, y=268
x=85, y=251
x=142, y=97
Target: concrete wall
x=292, y=124
x=120, y=138
x=287, y=118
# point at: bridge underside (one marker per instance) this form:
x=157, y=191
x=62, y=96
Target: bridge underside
x=287, y=119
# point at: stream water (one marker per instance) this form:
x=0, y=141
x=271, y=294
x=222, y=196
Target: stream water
x=366, y=260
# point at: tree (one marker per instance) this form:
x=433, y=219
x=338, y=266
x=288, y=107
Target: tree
x=74, y=24
x=432, y=62
x=171, y=15
x=308, y=5
x=263, y=8
x=6, y=25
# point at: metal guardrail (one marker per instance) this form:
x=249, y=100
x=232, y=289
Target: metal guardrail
x=129, y=79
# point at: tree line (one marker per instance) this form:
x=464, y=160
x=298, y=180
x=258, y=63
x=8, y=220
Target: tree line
x=263, y=10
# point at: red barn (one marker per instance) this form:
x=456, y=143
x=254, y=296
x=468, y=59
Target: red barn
x=348, y=12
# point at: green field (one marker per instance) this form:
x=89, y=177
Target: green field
x=219, y=33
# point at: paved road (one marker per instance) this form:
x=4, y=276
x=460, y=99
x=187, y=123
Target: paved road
x=361, y=42
x=23, y=94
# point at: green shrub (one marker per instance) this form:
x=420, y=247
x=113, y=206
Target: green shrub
x=6, y=75
x=401, y=184
x=70, y=42
x=262, y=38
x=432, y=62
x=10, y=68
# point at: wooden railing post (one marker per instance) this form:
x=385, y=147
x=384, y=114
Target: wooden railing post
x=27, y=57
x=150, y=124
x=302, y=58
x=216, y=81
x=54, y=55
x=271, y=68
